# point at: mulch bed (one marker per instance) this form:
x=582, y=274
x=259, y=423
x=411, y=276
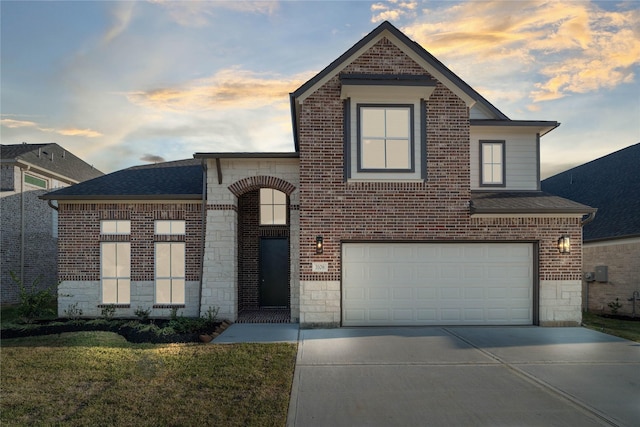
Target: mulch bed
x=129, y=332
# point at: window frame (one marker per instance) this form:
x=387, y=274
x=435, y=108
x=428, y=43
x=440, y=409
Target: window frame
x=177, y=227
x=122, y=226
x=503, y=158
x=115, y=277
x=273, y=205
x=36, y=181
x=171, y=277
x=411, y=137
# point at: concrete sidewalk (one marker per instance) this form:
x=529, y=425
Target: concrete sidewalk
x=259, y=333
x=524, y=376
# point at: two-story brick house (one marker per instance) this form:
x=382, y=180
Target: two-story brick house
x=28, y=229
x=409, y=200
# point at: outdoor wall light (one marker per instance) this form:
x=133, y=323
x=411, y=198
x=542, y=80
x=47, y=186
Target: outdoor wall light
x=319, y=245
x=564, y=244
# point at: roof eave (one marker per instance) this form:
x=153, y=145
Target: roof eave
x=246, y=155
x=544, y=126
x=128, y=197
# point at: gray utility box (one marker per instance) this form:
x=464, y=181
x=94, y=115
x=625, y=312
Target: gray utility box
x=602, y=273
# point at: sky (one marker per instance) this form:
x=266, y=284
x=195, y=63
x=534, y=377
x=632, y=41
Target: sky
x=126, y=83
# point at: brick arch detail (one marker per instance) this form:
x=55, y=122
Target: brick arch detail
x=251, y=183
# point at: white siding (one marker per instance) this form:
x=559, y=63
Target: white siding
x=521, y=157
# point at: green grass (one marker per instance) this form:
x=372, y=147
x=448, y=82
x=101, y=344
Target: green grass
x=626, y=329
x=99, y=379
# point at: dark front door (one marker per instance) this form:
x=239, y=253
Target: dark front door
x=274, y=272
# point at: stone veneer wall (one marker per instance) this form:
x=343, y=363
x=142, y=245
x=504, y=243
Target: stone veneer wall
x=622, y=257
x=221, y=259
x=435, y=210
x=79, y=247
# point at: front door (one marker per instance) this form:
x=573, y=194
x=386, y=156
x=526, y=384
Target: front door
x=274, y=272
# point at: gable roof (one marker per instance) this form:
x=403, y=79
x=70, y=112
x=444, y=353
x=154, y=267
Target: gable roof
x=610, y=183
x=438, y=69
x=50, y=158
x=180, y=179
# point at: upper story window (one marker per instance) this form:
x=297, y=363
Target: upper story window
x=385, y=138
x=492, y=163
x=273, y=207
x=32, y=180
x=168, y=227
x=385, y=126
x=115, y=226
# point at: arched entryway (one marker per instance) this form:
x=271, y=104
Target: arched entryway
x=264, y=290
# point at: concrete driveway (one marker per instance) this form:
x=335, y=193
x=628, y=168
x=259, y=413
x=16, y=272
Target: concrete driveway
x=465, y=376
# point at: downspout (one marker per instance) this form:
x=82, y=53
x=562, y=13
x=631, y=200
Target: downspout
x=203, y=232
x=590, y=217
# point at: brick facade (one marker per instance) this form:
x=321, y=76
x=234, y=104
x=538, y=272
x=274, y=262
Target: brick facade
x=79, y=247
x=622, y=257
x=249, y=234
x=434, y=210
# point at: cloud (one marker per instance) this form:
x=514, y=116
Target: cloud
x=229, y=88
x=568, y=47
x=198, y=13
x=15, y=124
x=392, y=10
x=122, y=12
x=79, y=132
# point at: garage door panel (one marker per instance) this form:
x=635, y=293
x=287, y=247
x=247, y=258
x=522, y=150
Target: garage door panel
x=431, y=284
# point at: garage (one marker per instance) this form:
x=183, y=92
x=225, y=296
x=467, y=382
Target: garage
x=437, y=284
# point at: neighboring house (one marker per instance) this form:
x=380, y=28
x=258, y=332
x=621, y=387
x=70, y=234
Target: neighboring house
x=611, y=249
x=29, y=225
x=409, y=200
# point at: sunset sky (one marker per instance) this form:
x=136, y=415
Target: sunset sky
x=125, y=83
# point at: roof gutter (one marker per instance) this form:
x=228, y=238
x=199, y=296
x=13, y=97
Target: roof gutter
x=590, y=217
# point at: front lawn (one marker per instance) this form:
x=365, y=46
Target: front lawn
x=627, y=329
x=99, y=379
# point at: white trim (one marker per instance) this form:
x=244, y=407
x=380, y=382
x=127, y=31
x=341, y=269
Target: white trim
x=391, y=93
x=45, y=172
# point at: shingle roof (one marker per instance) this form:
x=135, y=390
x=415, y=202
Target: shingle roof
x=523, y=202
x=610, y=183
x=50, y=157
x=180, y=179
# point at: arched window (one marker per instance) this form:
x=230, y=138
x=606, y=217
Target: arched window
x=273, y=207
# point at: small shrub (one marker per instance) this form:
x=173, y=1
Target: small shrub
x=73, y=312
x=33, y=303
x=210, y=318
x=614, y=306
x=142, y=314
x=109, y=311
x=173, y=314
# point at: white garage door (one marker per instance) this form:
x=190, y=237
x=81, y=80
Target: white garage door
x=437, y=284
